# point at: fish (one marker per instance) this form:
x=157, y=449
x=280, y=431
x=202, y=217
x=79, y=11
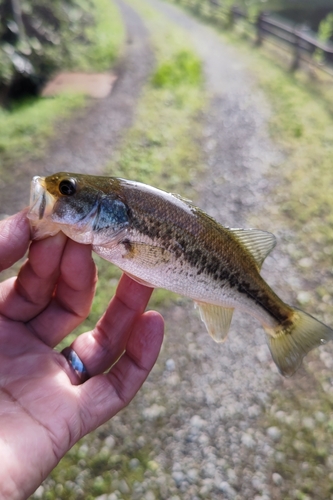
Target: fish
x=164, y=241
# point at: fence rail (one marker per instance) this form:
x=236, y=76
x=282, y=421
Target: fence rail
x=304, y=44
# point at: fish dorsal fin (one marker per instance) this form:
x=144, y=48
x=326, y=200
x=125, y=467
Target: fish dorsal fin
x=258, y=243
x=182, y=198
x=217, y=320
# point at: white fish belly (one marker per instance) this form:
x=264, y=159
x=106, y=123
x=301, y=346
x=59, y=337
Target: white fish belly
x=176, y=275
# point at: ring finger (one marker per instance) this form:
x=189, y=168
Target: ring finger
x=100, y=348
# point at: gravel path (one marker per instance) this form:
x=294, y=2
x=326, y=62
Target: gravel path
x=201, y=412
x=88, y=141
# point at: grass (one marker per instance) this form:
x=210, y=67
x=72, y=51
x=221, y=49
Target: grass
x=28, y=125
x=25, y=129
x=106, y=38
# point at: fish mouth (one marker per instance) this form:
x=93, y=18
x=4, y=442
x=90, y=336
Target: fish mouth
x=41, y=201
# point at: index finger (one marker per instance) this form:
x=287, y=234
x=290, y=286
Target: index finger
x=14, y=239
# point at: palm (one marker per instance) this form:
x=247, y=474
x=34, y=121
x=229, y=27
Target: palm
x=42, y=410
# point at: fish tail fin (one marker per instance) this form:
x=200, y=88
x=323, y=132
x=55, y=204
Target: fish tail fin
x=291, y=342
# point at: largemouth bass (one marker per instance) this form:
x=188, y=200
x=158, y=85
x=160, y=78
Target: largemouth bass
x=162, y=240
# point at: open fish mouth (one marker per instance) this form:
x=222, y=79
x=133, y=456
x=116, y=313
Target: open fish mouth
x=41, y=201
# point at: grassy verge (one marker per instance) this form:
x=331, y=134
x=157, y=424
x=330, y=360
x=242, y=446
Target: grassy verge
x=105, y=38
x=25, y=129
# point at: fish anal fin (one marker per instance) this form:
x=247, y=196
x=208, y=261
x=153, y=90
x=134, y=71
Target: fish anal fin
x=289, y=345
x=258, y=243
x=217, y=319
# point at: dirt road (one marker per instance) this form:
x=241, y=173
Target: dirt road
x=201, y=414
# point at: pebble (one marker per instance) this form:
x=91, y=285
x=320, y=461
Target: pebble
x=197, y=422
x=109, y=442
x=228, y=490
x=39, y=492
x=274, y=433
x=309, y=423
x=170, y=365
x=248, y=441
x=192, y=475
x=123, y=487
x=304, y=297
x=178, y=477
x=153, y=412
x=150, y=495
x=277, y=479
x=134, y=463
x=113, y=496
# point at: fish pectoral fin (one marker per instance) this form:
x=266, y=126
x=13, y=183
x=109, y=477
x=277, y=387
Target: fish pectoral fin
x=149, y=255
x=289, y=344
x=140, y=280
x=258, y=243
x=217, y=319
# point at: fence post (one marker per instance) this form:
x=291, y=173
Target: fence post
x=297, y=51
x=260, y=28
x=232, y=16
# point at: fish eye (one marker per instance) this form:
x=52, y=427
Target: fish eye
x=67, y=187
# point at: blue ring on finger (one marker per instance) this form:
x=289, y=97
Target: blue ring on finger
x=76, y=364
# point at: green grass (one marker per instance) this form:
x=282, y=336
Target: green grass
x=106, y=38
x=25, y=129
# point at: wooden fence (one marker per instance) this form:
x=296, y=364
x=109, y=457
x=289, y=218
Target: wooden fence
x=300, y=41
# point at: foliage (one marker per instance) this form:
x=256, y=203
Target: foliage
x=325, y=32
x=60, y=34
x=184, y=68
x=28, y=124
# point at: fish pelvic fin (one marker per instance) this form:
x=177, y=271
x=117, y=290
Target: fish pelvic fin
x=290, y=343
x=217, y=320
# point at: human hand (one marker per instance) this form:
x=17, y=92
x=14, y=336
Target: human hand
x=44, y=410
